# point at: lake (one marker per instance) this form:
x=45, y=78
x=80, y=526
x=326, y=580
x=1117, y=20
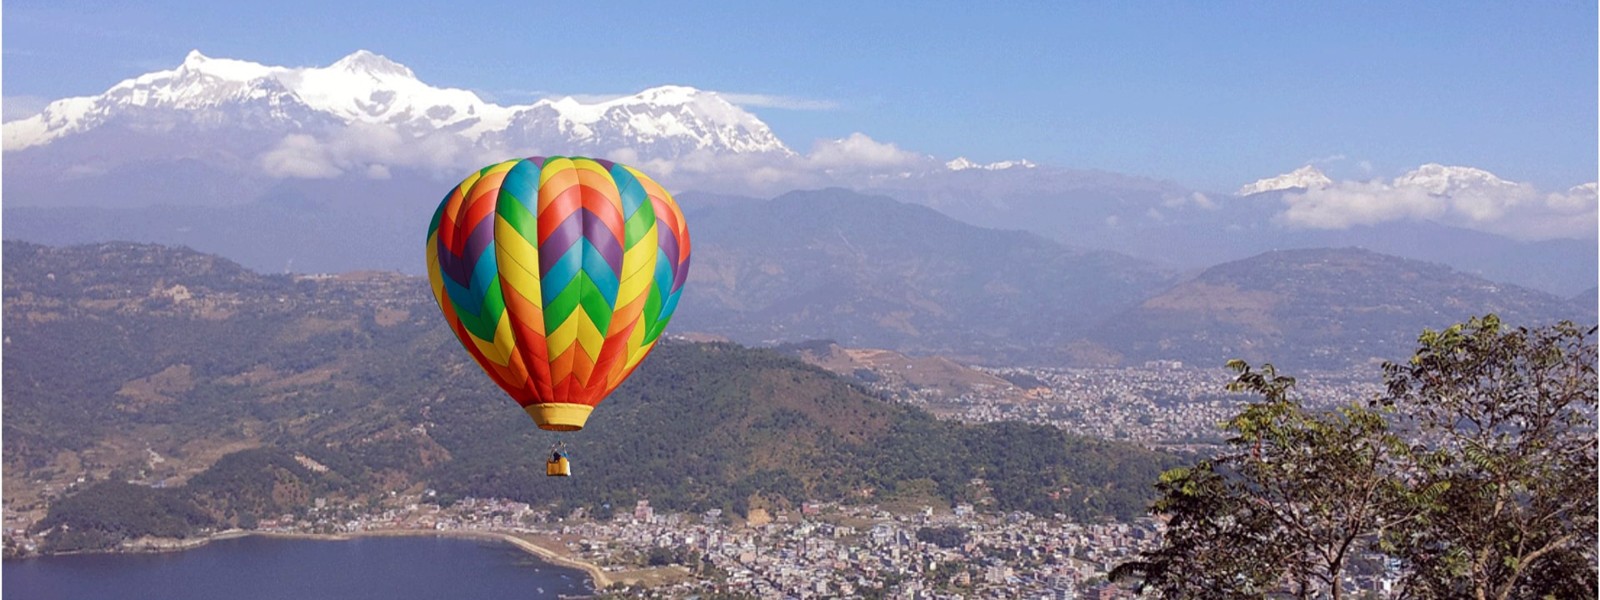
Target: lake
x=254, y=567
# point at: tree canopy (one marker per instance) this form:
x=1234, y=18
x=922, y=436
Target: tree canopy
x=1473, y=475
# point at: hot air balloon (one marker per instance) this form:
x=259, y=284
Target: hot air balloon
x=558, y=275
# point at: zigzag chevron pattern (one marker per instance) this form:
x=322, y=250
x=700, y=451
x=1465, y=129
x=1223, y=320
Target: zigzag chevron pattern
x=558, y=274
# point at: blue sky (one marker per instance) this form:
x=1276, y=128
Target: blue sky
x=1211, y=95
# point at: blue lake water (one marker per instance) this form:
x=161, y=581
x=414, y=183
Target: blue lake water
x=251, y=568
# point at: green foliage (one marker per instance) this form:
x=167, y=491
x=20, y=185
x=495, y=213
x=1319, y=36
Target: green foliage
x=712, y=425
x=943, y=537
x=104, y=514
x=1505, y=426
x=1218, y=544
x=659, y=556
x=260, y=482
x=240, y=489
x=1476, y=470
x=1282, y=511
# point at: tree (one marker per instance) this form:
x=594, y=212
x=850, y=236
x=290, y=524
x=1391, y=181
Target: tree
x=1503, y=421
x=1475, y=470
x=1281, y=513
x=1218, y=544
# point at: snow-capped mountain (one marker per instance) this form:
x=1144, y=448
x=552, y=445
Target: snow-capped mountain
x=1441, y=180
x=369, y=88
x=1307, y=177
x=204, y=91
x=666, y=120
x=366, y=88
x=1433, y=178
x=962, y=163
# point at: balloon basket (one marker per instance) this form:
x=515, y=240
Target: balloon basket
x=558, y=467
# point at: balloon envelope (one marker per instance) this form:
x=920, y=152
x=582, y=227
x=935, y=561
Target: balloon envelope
x=558, y=275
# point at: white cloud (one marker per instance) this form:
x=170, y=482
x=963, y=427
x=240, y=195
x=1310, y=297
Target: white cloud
x=1573, y=213
x=1195, y=199
x=1349, y=203
x=1512, y=209
x=374, y=151
x=859, y=152
x=704, y=169
x=299, y=156
x=783, y=102
x=85, y=170
x=371, y=150
x=830, y=162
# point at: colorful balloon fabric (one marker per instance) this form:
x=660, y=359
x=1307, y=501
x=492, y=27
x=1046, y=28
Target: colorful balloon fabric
x=558, y=275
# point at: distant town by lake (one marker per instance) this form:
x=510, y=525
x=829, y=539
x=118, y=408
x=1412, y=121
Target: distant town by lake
x=254, y=567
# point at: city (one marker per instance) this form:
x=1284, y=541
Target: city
x=830, y=549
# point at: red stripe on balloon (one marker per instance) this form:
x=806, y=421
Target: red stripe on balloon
x=527, y=323
x=447, y=222
x=517, y=391
x=561, y=206
x=614, y=353
x=480, y=204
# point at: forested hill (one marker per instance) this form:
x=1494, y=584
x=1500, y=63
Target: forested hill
x=146, y=364
x=872, y=272
x=1320, y=308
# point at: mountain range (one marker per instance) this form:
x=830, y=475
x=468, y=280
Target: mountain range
x=1181, y=228
x=871, y=272
x=868, y=271
x=206, y=94
x=336, y=168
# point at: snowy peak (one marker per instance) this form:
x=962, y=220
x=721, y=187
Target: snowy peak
x=671, y=118
x=366, y=87
x=1307, y=177
x=362, y=87
x=962, y=163
x=196, y=63
x=1433, y=178
x=668, y=95
x=198, y=81
x=1441, y=180
x=362, y=62
x=369, y=88
x=661, y=97
x=198, y=85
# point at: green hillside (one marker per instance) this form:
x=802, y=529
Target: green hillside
x=1321, y=308
x=872, y=272
x=117, y=353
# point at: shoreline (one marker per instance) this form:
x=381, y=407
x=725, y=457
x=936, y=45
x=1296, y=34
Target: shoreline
x=597, y=577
